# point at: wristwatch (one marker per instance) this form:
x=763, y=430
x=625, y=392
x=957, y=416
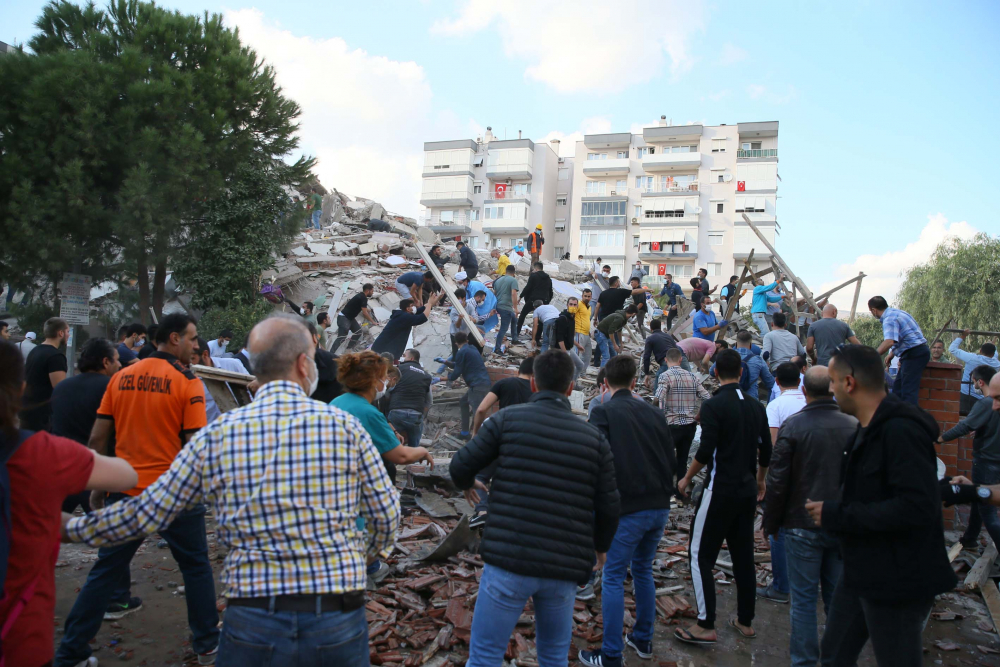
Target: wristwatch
x=983, y=492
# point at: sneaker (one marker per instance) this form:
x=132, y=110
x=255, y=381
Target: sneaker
x=477, y=520
x=586, y=592
x=596, y=659
x=643, y=649
x=380, y=573
x=969, y=543
x=117, y=610
x=89, y=662
x=208, y=658
x=769, y=593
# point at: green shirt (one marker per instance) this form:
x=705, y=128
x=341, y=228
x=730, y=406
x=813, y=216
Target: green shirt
x=502, y=287
x=613, y=323
x=371, y=419
x=316, y=200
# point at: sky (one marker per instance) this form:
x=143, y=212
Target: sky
x=885, y=108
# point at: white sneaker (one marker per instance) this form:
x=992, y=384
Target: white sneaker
x=89, y=662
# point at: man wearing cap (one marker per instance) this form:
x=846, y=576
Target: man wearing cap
x=535, y=243
x=27, y=345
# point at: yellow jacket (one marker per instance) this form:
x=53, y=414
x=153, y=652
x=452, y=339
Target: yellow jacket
x=502, y=264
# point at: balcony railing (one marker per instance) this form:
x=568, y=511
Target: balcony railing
x=493, y=195
x=436, y=220
x=656, y=188
x=603, y=220
x=446, y=195
x=757, y=152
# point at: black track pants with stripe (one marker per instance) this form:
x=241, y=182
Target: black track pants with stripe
x=718, y=519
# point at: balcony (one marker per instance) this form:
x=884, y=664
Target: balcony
x=602, y=220
x=501, y=227
x=446, y=198
x=757, y=153
x=660, y=251
x=450, y=225
x=669, y=188
x=508, y=195
x=670, y=161
x=610, y=167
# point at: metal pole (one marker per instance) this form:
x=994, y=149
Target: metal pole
x=71, y=350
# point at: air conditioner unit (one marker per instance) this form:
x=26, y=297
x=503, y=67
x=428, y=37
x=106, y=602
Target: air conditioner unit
x=635, y=221
x=727, y=178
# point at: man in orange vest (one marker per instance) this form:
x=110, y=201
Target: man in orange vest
x=535, y=242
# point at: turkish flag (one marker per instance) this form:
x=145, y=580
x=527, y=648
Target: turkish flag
x=500, y=189
x=741, y=186
x=661, y=270
x=655, y=245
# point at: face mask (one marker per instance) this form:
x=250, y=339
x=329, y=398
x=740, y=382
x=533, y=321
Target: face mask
x=381, y=392
x=572, y=309
x=313, y=378
x=302, y=311
x=224, y=344
x=605, y=274
x=141, y=342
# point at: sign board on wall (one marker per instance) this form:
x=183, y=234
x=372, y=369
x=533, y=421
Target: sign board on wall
x=74, y=300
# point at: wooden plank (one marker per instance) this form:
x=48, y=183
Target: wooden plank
x=449, y=290
x=973, y=333
x=734, y=297
x=220, y=392
x=941, y=331
x=953, y=552
x=991, y=596
x=839, y=287
x=854, y=304
x=980, y=572
x=806, y=293
x=213, y=373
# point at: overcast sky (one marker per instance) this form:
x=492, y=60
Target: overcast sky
x=888, y=109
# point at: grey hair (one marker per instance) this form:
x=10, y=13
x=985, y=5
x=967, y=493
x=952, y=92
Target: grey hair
x=276, y=351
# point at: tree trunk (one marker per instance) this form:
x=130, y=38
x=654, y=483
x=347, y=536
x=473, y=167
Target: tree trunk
x=159, y=282
x=142, y=275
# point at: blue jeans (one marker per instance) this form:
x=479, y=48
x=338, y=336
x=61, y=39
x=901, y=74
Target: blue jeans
x=315, y=218
x=911, y=368
x=410, y=423
x=761, y=322
x=502, y=596
x=779, y=562
x=506, y=317
x=189, y=547
x=814, y=564
x=606, y=348
x=259, y=637
x=635, y=544
x=548, y=329
x=984, y=472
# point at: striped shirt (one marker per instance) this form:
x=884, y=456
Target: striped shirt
x=678, y=392
x=899, y=325
x=287, y=477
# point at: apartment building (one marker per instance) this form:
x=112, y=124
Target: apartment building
x=493, y=192
x=674, y=197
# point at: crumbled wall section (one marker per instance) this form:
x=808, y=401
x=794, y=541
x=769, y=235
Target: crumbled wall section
x=939, y=395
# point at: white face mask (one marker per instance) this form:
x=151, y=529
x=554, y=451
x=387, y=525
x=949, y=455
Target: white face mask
x=313, y=378
x=302, y=311
x=140, y=342
x=223, y=345
x=381, y=392
x=605, y=273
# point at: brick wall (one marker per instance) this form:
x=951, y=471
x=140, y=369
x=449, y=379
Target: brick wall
x=939, y=395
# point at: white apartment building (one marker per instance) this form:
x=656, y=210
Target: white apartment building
x=492, y=193
x=673, y=198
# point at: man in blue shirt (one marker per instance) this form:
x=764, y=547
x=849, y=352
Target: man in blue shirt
x=410, y=285
x=671, y=290
x=987, y=357
x=705, y=325
x=761, y=298
x=902, y=334
x=469, y=366
x=759, y=371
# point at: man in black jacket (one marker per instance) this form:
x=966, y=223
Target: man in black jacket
x=401, y=322
x=887, y=519
x=658, y=343
x=564, y=336
x=553, y=504
x=806, y=465
x=467, y=260
x=644, y=468
x=538, y=288
x=734, y=439
x=411, y=398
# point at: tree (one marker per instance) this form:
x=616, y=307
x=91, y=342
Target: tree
x=145, y=117
x=960, y=282
x=868, y=330
x=234, y=241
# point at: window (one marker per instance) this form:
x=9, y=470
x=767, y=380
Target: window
x=520, y=189
x=715, y=239
x=563, y=173
x=560, y=250
x=622, y=155
x=603, y=213
x=472, y=241
x=677, y=213
x=636, y=211
x=597, y=156
x=681, y=149
x=751, y=145
x=644, y=182
x=473, y=214
x=722, y=179
x=714, y=269
x=719, y=145
x=560, y=227
x=635, y=241
x=621, y=186
x=561, y=201
x=718, y=208
x=599, y=188
x=750, y=204
x=447, y=216
x=645, y=150
x=477, y=189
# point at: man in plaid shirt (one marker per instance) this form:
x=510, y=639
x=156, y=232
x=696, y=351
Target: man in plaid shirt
x=288, y=476
x=680, y=395
x=902, y=334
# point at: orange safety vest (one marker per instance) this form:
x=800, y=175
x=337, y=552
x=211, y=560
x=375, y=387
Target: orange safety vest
x=535, y=242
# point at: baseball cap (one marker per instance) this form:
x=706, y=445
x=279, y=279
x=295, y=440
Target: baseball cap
x=30, y=335
x=461, y=275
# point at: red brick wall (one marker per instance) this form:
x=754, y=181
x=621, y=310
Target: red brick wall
x=939, y=395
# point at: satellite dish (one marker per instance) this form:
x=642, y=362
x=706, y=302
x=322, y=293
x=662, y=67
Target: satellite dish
x=727, y=178
x=697, y=209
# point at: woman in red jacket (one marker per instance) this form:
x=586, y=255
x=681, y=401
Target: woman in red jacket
x=42, y=470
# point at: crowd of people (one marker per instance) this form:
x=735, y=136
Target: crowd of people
x=302, y=480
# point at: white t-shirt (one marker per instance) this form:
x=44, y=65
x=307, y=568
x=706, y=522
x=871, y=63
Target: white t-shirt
x=783, y=407
x=215, y=349
x=229, y=364
x=546, y=313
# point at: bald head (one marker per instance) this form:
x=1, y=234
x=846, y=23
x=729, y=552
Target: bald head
x=816, y=383
x=277, y=345
x=829, y=310
x=995, y=391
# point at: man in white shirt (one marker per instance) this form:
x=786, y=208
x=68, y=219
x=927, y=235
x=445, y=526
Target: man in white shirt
x=780, y=344
x=800, y=363
x=217, y=347
x=27, y=345
x=544, y=318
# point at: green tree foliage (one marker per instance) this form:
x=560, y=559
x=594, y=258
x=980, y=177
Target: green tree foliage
x=233, y=242
x=119, y=131
x=960, y=281
x=240, y=318
x=868, y=330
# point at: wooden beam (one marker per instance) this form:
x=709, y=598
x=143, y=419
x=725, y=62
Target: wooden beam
x=857, y=293
x=940, y=331
x=971, y=332
x=979, y=575
x=213, y=373
x=992, y=599
x=735, y=296
x=449, y=290
x=839, y=287
x=953, y=552
x=806, y=293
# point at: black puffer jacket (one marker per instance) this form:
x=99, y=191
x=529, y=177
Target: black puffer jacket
x=539, y=286
x=553, y=499
x=805, y=464
x=888, y=518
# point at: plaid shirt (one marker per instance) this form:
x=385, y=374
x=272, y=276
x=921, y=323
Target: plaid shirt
x=900, y=326
x=678, y=392
x=288, y=477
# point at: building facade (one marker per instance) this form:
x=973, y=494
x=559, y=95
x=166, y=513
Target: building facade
x=673, y=198
x=493, y=193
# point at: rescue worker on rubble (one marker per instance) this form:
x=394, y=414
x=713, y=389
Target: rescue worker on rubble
x=535, y=243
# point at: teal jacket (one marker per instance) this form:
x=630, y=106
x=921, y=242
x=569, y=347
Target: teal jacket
x=761, y=298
